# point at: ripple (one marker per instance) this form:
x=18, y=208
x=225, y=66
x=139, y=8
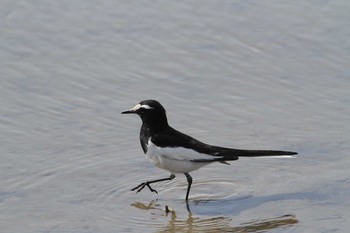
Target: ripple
x=203, y=189
x=114, y=190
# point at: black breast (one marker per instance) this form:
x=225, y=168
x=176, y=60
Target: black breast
x=144, y=137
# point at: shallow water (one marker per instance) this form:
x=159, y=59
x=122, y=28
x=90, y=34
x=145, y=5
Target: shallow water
x=257, y=75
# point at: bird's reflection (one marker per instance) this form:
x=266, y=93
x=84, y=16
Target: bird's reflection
x=193, y=223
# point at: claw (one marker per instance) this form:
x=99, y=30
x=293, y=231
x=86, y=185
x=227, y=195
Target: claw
x=142, y=186
x=151, y=189
x=137, y=187
x=147, y=183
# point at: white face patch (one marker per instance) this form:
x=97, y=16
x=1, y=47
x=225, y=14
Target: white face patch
x=138, y=106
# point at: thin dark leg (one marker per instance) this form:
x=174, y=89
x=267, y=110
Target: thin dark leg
x=189, y=180
x=188, y=207
x=147, y=183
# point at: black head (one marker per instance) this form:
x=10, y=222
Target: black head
x=150, y=111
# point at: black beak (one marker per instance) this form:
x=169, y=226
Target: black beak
x=128, y=111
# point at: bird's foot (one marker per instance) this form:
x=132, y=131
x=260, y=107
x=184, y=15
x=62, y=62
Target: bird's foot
x=142, y=185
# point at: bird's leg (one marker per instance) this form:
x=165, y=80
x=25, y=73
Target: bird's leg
x=189, y=180
x=147, y=183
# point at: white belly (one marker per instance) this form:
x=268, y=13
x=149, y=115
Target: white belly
x=175, y=160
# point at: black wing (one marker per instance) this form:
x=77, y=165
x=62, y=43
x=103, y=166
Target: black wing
x=174, y=138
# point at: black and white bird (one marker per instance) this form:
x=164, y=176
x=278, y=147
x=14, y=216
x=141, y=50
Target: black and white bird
x=177, y=152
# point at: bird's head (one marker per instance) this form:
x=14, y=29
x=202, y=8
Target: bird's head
x=150, y=111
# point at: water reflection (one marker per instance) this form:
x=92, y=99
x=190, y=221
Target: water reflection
x=235, y=205
x=195, y=223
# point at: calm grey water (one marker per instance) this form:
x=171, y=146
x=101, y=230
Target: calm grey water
x=245, y=74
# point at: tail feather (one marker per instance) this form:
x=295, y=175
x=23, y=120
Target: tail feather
x=223, y=155
x=259, y=153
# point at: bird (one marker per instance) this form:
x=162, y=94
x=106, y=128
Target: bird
x=179, y=153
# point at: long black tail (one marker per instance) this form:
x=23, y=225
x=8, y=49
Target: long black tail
x=258, y=153
x=223, y=154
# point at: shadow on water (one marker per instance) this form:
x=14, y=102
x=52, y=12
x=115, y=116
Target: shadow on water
x=216, y=215
x=235, y=205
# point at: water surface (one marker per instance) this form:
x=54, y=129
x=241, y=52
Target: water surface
x=256, y=75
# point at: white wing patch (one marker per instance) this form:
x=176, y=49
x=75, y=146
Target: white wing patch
x=176, y=159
